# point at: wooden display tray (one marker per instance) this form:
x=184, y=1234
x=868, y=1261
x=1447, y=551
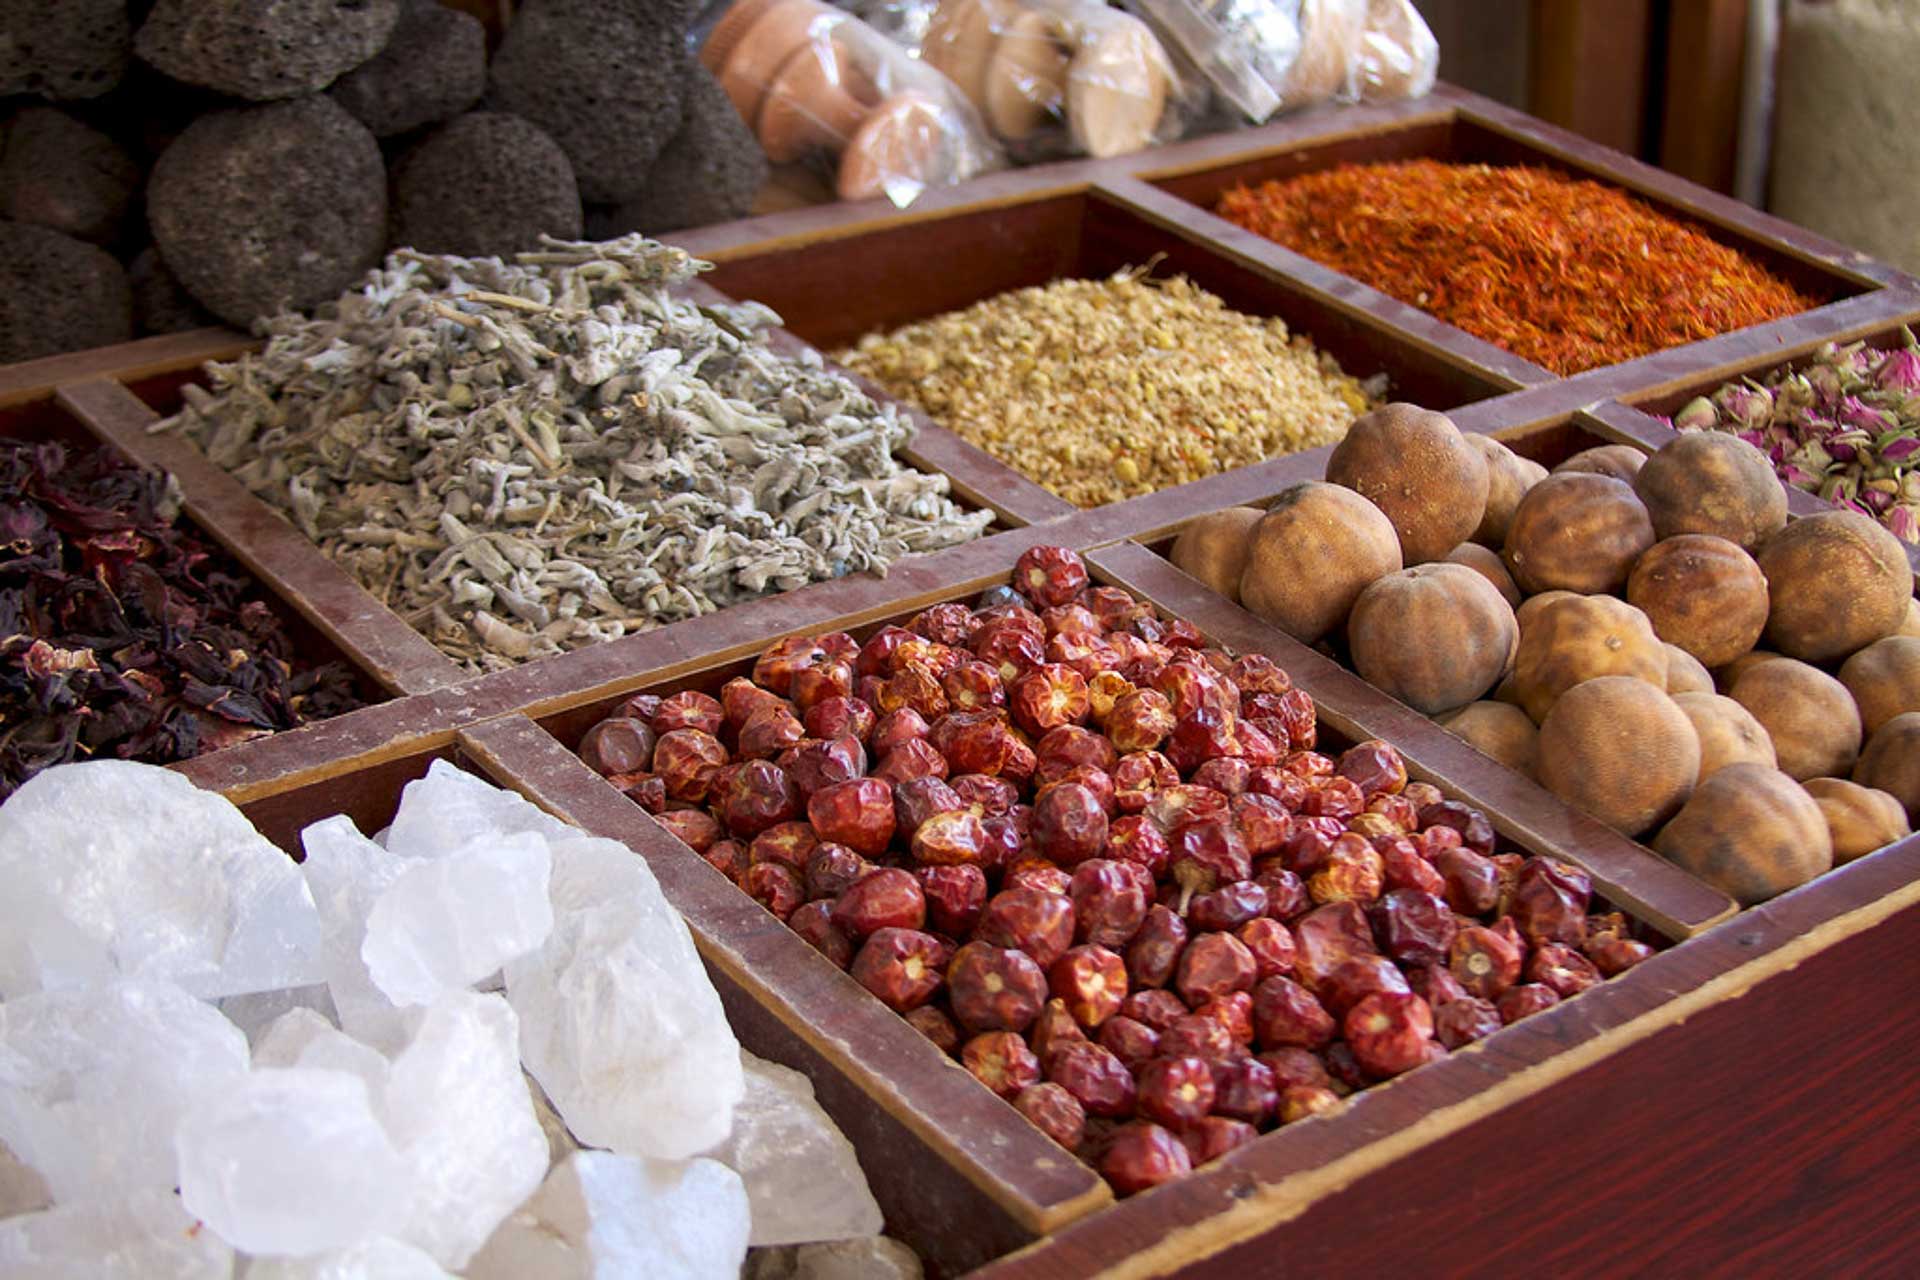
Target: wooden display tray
x=1602, y=1133
x=941, y=1148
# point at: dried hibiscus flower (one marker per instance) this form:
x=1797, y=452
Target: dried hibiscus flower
x=122, y=633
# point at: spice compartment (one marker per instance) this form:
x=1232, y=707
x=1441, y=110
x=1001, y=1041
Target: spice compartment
x=42, y=420
x=831, y=292
x=353, y=606
x=1481, y=132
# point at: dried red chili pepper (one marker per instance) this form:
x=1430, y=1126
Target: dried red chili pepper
x=1566, y=272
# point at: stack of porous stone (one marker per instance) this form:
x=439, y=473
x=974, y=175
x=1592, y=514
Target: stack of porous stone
x=213, y=161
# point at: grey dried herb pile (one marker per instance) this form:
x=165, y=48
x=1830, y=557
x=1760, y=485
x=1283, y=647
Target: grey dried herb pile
x=527, y=457
x=1101, y=390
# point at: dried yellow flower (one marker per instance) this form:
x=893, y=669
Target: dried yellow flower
x=1101, y=390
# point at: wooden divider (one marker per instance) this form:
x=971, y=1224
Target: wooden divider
x=959, y=1173
x=395, y=654
x=1631, y=876
x=123, y=362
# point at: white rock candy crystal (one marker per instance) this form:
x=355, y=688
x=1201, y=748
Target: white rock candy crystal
x=455, y=1104
x=145, y=1236
x=303, y=1038
x=450, y=807
x=618, y=1020
x=445, y=923
x=93, y=1081
x=458, y=1107
x=602, y=1216
x=802, y=1176
x=402, y=1139
x=295, y=1160
x=347, y=873
x=114, y=869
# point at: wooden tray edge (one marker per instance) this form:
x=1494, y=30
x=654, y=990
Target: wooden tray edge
x=280, y=556
x=537, y=765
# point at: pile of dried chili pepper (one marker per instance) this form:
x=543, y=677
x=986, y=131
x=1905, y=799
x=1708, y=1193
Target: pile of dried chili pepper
x=122, y=633
x=1566, y=272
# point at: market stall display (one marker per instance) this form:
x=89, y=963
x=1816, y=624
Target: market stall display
x=1762, y=1003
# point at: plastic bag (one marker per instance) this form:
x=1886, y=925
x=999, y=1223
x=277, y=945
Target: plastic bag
x=1054, y=78
x=1328, y=66
x=1399, y=58
x=817, y=83
x=1267, y=56
x=904, y=22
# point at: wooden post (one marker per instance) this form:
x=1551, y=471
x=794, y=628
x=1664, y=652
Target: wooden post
x=1589, y=68
x=1700, y=127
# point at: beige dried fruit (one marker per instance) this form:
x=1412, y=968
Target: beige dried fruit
x=1415, y=465
x=1751, y=832
x=1620, y=749
x=1213, y=548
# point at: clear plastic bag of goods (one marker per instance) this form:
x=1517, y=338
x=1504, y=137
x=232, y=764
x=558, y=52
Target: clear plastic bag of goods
x=1262, y=57
x=1050, y=78
x=818, y=85
x=1399, y=57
